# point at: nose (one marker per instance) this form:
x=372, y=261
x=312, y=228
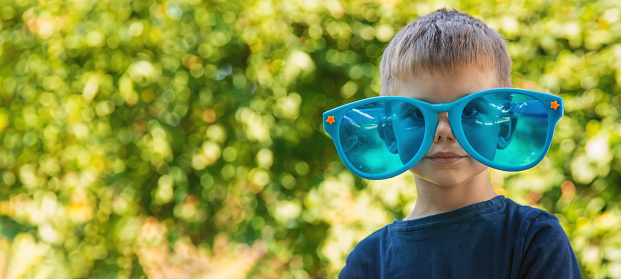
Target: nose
x=443, y=130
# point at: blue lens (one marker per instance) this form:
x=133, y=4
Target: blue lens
x=380, y=137
x=506, y=128
x=409, y=129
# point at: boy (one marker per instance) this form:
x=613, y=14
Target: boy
x=469, y=119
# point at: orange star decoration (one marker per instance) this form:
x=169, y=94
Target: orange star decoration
x=554, y=105
x=330, y=120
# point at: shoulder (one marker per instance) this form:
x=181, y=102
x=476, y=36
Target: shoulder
x=364, y=260
x=524, y=211
x=532, y=220
x=525, y=218
x=543, y=229
x=533, y=224
x=369, y=246
x=543, y=249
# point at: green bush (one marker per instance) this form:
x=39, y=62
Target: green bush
x=152, y=138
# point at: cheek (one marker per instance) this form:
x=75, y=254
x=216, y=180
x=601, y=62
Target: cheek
x=477, y=166
x=409, y=140
x=482, y=138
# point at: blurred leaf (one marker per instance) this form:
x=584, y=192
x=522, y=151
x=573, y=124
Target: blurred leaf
x=145, y=138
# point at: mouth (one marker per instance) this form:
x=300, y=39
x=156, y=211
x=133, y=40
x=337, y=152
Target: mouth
x=445, y=157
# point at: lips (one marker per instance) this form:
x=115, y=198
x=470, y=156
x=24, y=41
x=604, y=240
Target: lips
x=445, y=157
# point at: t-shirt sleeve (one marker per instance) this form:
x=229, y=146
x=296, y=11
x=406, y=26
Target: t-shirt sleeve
x=546, y=251
x=363, y=261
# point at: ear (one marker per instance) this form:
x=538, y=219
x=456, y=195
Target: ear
x=505, y=134
x=387, y=134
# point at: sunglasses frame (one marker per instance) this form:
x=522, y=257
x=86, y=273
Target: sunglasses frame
x=332, y=119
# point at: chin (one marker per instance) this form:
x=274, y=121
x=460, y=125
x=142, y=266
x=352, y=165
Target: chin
x=450, y=177
x=444, y=181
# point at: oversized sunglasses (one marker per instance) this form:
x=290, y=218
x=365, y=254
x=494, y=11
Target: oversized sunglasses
x=504, y=128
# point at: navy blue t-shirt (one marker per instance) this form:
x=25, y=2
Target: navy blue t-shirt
x=492, y=239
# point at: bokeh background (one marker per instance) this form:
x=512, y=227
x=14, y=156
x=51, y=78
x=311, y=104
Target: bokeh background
x=183, y=139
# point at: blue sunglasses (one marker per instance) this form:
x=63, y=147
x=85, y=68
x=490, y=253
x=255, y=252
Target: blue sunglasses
x=504, y=128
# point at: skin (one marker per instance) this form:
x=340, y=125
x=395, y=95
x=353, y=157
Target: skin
x=445, y=184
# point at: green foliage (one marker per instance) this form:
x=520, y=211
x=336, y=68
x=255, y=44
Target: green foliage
x=151, y=138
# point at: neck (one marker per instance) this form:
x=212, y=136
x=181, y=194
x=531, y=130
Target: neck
x=434, y=199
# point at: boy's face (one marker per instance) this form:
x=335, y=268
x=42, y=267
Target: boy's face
x=454, y=166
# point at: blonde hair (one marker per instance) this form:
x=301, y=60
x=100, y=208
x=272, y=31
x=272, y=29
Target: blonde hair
x=442, y=41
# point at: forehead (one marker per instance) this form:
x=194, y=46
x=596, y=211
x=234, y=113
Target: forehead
x=438, y=87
